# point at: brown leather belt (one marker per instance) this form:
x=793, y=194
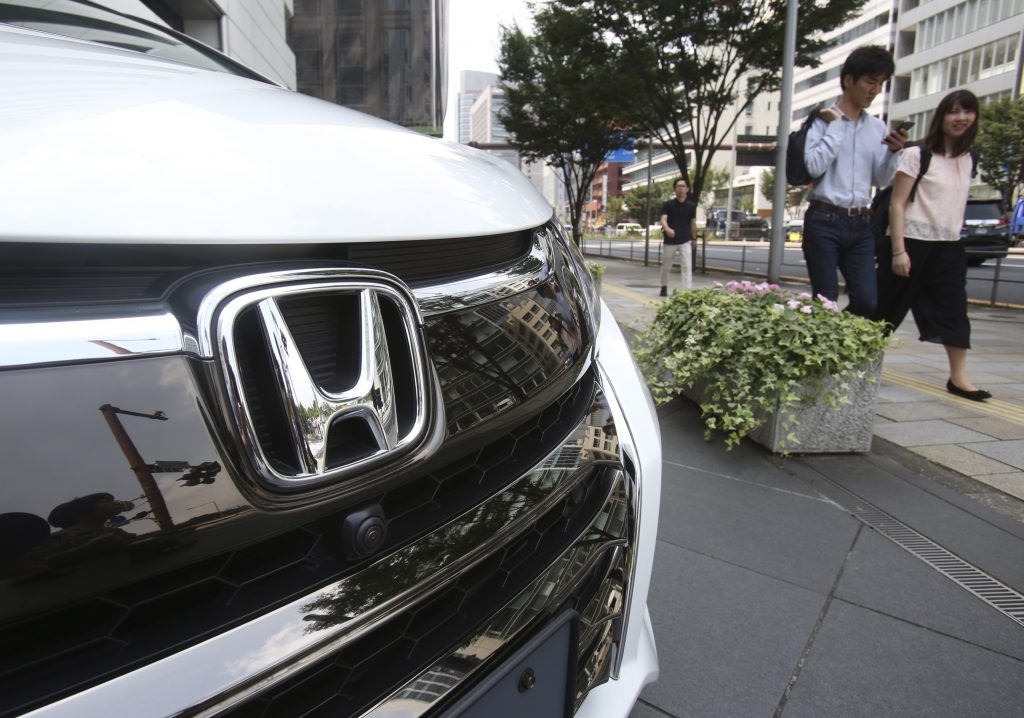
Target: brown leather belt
x=841, y=211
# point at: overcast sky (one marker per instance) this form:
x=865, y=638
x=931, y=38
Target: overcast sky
x=473, y=42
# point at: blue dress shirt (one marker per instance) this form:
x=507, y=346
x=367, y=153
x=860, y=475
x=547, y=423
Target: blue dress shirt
x=851, y=157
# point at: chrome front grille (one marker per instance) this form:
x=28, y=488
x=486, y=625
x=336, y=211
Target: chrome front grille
x=61, y=651
x=227, y=563
x=352, y=679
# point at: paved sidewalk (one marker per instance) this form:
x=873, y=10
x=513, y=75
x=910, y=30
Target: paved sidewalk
x=982, y=440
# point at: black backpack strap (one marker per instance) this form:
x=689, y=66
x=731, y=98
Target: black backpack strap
x=926, y=161
x=974, y=162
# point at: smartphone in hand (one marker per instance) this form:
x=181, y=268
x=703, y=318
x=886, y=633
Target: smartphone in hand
x=905, y=126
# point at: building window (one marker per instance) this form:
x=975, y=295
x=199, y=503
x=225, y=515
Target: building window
x=989, y=60
x=963, y=19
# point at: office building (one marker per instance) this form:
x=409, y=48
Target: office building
x=485, y=127
x=820, y=86
x=471, y=84
x=387, y=58
x=944, y=45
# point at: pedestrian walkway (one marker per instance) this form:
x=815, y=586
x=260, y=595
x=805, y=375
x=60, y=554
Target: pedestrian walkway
x=982, y=440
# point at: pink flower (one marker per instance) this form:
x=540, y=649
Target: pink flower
x=806, y=309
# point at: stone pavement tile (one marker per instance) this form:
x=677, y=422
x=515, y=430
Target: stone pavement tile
x=992, y=366
x=911, y=365
x=780, y=533
x=922, y=433
x=922, y=410
x=961, y=459
x=1010, y=391
x=993, y=426
x=1011, y=483
x=993, y=542
x=882, y=420
x=891, y=392
x=684, y=451
x=1009, y=452
x=881, y=576
x=866, y=664
x=728, y=638
x=985, y=378
x=1010, y=357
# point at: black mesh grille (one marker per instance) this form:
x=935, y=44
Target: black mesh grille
x=33, y=274
x=59, y=652
x=363, y=672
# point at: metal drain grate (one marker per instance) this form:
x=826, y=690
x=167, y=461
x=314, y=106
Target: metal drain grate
x=992, y=591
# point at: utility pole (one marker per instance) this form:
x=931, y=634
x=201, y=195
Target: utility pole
x=137, y=463
x=647, y=208
x=778, y=241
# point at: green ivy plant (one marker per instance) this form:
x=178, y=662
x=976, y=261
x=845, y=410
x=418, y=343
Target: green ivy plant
x=596, y=269
x=751, y=348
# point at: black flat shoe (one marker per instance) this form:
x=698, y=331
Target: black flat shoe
x=976, y=395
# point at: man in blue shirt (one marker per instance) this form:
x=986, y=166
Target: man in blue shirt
x=848, y=151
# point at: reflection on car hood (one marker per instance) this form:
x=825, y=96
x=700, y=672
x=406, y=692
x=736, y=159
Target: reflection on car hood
x=241, y=161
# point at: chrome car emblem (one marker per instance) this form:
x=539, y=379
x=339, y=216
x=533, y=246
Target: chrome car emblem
x=365, y=404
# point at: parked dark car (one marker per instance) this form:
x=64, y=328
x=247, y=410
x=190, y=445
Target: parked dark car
x=986, y=230
x=744, y=226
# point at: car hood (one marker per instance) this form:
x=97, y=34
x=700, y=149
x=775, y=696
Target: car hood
x=104, y=145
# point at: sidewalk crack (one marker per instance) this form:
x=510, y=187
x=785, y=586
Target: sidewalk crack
x=795, y=675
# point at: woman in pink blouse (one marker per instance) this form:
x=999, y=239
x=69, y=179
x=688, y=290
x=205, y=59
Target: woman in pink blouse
x=923, y=269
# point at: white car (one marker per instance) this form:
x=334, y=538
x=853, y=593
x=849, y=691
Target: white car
x=286, y=430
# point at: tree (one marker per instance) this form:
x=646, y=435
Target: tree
x=794, y=195
x=616, y=211
x=694, y=67
x=559, y=98
x=715, y=178
x=1000, y=144
x=646, y=209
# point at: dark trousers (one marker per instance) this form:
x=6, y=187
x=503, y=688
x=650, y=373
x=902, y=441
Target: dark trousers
x=935, y=292
x=834, y=242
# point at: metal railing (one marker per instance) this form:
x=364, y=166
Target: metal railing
x=986, y=283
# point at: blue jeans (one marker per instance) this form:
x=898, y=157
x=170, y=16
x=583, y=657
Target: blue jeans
x=835, y=242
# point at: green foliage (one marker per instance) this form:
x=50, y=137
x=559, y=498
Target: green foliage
x=794, y=195
x=752, y=348
x=616, y=211
x=644, y=212
x=559, y=98
x=693, y=67
x=715, y=179
x=1000, y=144
x=596, y=269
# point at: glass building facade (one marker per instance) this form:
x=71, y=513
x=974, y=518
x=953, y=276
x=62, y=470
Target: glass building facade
x=387, y=58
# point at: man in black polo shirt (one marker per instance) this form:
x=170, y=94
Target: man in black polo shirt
x=679, y=227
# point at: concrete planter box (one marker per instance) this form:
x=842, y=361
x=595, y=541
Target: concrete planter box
x=819, y=427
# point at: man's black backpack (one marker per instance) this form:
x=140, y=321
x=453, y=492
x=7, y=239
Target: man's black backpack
x=880, y=204
x=796, y=168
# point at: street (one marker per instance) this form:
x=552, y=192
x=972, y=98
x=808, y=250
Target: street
x=751, y=259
